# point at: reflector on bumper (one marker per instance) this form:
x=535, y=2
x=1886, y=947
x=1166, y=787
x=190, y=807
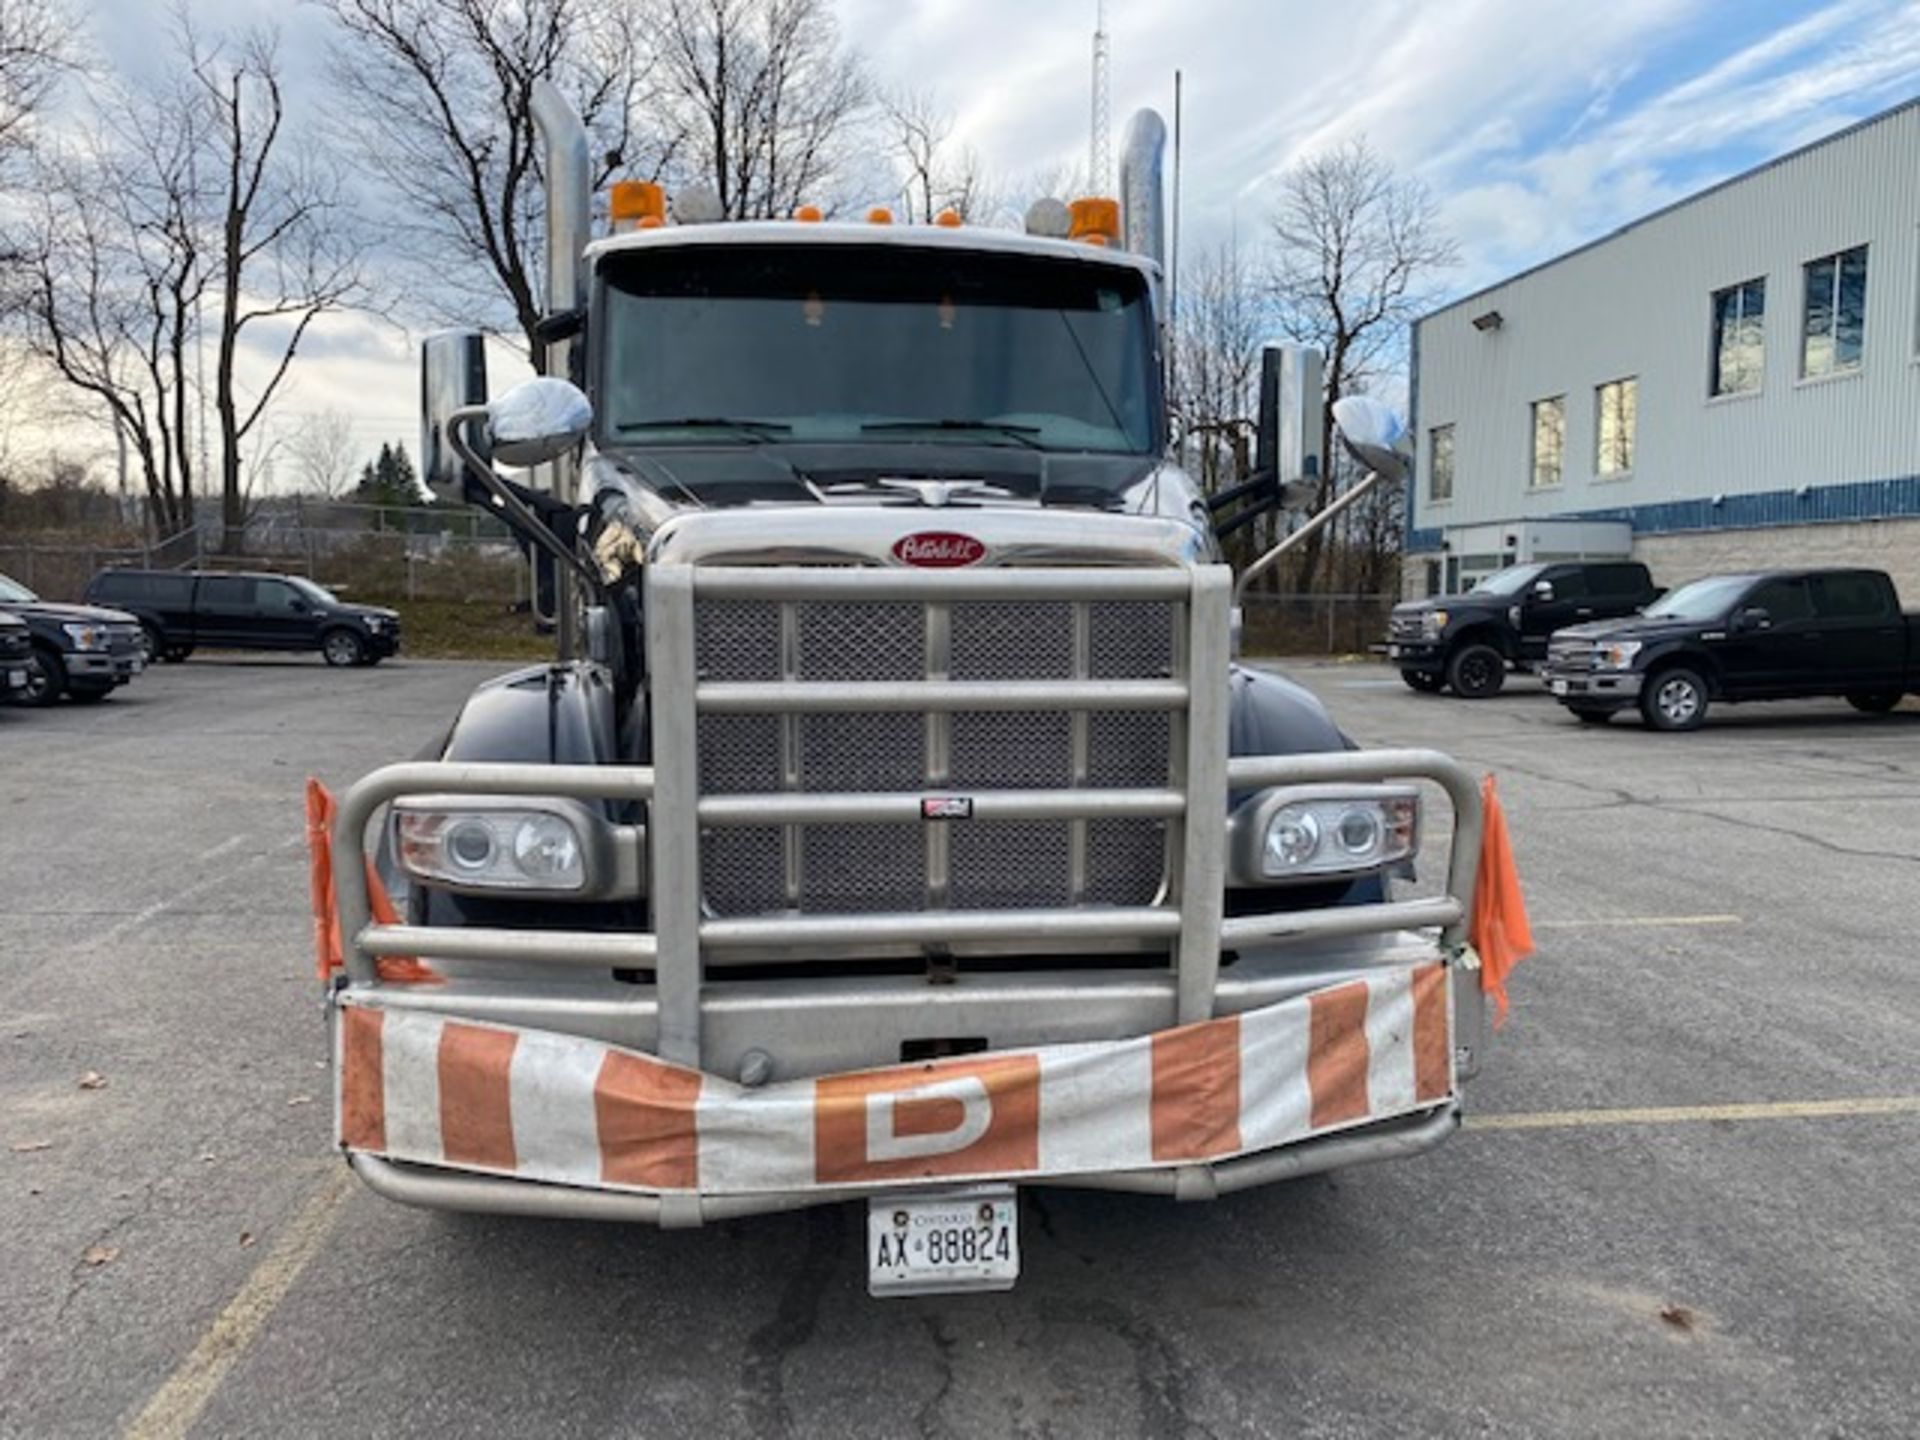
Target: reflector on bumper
x=541, y=1106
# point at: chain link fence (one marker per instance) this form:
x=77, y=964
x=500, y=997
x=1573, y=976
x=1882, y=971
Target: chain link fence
x=1314, y=624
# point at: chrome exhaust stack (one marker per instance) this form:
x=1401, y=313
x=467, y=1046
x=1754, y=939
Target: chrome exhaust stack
x=1143, y=211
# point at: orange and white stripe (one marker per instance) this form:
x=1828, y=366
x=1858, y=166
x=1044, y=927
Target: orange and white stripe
x=544, y=1106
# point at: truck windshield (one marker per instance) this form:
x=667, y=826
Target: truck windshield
x=864, y=344
x=314, y=592
x=1707, y=599
x=13, y=590
x=1510, y=581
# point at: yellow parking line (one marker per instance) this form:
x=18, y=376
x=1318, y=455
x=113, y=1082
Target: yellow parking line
x=178, y=1403
x=1635, y=922
x=1693, y=1114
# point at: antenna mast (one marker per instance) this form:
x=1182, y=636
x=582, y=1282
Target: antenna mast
x=1099, y=157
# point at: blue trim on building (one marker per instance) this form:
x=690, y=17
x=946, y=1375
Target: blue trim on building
x=1765, y=510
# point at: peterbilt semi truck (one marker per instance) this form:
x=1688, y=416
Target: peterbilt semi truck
x=896, y=823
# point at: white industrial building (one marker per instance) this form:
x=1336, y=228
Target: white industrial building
x=1730, y=382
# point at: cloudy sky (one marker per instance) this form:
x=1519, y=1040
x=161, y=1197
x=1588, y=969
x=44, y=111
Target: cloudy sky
x=1536, y=126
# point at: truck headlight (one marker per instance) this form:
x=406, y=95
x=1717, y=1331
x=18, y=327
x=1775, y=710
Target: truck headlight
x=86, y=637
x=1314, y=832
x=1616, y=656
x=555, y=847
x=1432, y=623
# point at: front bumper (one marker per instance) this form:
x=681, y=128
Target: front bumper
x=92, y=669
x=1593, y=688
x=1422, y=655
x=469, y=1113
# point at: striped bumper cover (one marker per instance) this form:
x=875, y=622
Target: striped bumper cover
x=535, y=1105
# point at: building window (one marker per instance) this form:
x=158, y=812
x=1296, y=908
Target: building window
x=1739, y=337
x=1549, y=441
x=1834, y=324
x=1440, y=463
x=1614, y=404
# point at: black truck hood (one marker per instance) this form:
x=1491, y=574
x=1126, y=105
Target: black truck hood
x=56, y=612
x=1632, y=627
x=1471, y=600
x=366, y=612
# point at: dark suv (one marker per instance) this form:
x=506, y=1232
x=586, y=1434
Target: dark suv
x=184, y=610
x=80, y=651
x=1468, y=642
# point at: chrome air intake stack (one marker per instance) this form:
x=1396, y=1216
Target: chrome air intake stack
x=1143, y=208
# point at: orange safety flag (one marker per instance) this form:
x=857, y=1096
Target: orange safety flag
x=329, y=955
x=1498, y=927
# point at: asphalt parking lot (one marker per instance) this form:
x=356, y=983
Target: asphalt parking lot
x=1684, y=1205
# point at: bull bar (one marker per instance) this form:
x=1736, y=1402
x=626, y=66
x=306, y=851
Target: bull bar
x=1190, y=917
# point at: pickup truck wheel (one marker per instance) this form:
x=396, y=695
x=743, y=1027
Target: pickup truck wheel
x=150, y=647
x=1425, y=683
x=343, y=647
x=1476, y=672
x=1675, y=699
x=46, y=678
x=1874, y=704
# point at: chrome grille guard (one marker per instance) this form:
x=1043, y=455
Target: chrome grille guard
x=1190, y=919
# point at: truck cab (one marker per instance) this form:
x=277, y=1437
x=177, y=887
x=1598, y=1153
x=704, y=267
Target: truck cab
x=901, y=826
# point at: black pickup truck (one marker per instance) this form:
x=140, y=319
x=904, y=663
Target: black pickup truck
x=184, y=610
x=1778, y=635
x=81, y=651
x=1468, y=642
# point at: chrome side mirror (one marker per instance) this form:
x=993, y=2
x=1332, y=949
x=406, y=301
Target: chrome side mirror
x=453, y=376
x=537, y=421
x=1543, y=590
x=1371, y=433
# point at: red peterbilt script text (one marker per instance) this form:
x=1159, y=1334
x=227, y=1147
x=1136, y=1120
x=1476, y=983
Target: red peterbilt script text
x=938, y=550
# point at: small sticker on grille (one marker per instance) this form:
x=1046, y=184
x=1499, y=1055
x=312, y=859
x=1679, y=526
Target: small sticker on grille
x=946, y=807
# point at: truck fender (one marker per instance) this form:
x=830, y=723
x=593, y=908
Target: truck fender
x=544, y=714
x=1269, y=714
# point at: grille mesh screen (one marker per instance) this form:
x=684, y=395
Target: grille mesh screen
x=990, y=865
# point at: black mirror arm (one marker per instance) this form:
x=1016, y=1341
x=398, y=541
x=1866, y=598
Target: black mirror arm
x=1254, y=484
x=560, y=325
x=517, y=510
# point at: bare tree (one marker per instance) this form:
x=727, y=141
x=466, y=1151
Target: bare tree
x=766, y=98
x=34, y=49
x=1355, y=245
x=934, y=175
x=438, y=96
x=282, y=256
x=321, y=452
x=111, y=279
x=1217, y=365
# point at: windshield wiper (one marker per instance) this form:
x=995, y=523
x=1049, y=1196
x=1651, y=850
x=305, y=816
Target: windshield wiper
x=752, y=429
x=1020, y=434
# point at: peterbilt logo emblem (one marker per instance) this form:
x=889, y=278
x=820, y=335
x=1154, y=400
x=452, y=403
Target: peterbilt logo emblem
x=938, y=550
x=946, y=807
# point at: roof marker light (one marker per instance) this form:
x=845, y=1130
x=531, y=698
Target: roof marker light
x=808, y=214
x=879, y=215
x=631, y=204
x=949, y=220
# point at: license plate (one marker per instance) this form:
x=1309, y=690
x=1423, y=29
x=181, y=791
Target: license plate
x=16, y=679
x=1393, y=652
x=1558, y=687
x=938, y=1244
x=138, y=664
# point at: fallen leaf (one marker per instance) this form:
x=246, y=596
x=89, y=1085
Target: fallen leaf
x=246, y=1238
x=27, y=1147
x=1678, y=1316
x=93, y=1080
x=300, y=1100
x=100, y=1255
